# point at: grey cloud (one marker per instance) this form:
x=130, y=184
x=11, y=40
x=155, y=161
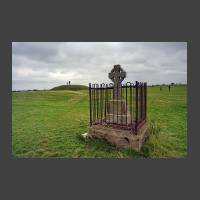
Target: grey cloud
x=40, y=51
x=45, y=64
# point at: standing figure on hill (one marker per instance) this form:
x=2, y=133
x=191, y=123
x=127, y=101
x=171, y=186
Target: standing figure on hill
x=169, y=88
x=69, y=82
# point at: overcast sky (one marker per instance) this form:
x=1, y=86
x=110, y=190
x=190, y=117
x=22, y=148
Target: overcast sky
x=43, y=65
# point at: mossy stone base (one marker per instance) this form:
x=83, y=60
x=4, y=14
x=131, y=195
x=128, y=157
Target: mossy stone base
x=119, y=137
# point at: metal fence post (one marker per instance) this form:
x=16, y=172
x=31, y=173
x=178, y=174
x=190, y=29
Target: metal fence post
x=126, y=104
x=136, y=105
x=131, y=104
x=94, y=103
x=90, y=104
x=101, y=102
x=145, y=101
x=141, y=101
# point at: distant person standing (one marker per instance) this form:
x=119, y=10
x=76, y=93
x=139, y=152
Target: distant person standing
x=69, y=82
x=169, y=88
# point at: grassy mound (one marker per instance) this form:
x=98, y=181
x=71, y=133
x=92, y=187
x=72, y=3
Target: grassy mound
x=70, y=87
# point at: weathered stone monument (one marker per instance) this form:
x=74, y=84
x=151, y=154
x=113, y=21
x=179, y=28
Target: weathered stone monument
x=117, y=106
x=118, y=112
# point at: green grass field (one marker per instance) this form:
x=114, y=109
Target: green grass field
x=50, y=123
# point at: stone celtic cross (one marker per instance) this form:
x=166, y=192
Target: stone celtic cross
x=117, y=75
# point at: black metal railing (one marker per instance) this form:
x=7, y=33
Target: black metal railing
x=127, y=109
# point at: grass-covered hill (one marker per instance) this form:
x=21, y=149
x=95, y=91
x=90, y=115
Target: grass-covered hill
x=50, y=123
x=70, y=87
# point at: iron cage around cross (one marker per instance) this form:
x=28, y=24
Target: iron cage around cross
x=122, y=106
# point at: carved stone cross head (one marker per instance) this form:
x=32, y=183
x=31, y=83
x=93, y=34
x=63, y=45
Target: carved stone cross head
x=117, y=74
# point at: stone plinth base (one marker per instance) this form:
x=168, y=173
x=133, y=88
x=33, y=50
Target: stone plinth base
x=120, y=138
